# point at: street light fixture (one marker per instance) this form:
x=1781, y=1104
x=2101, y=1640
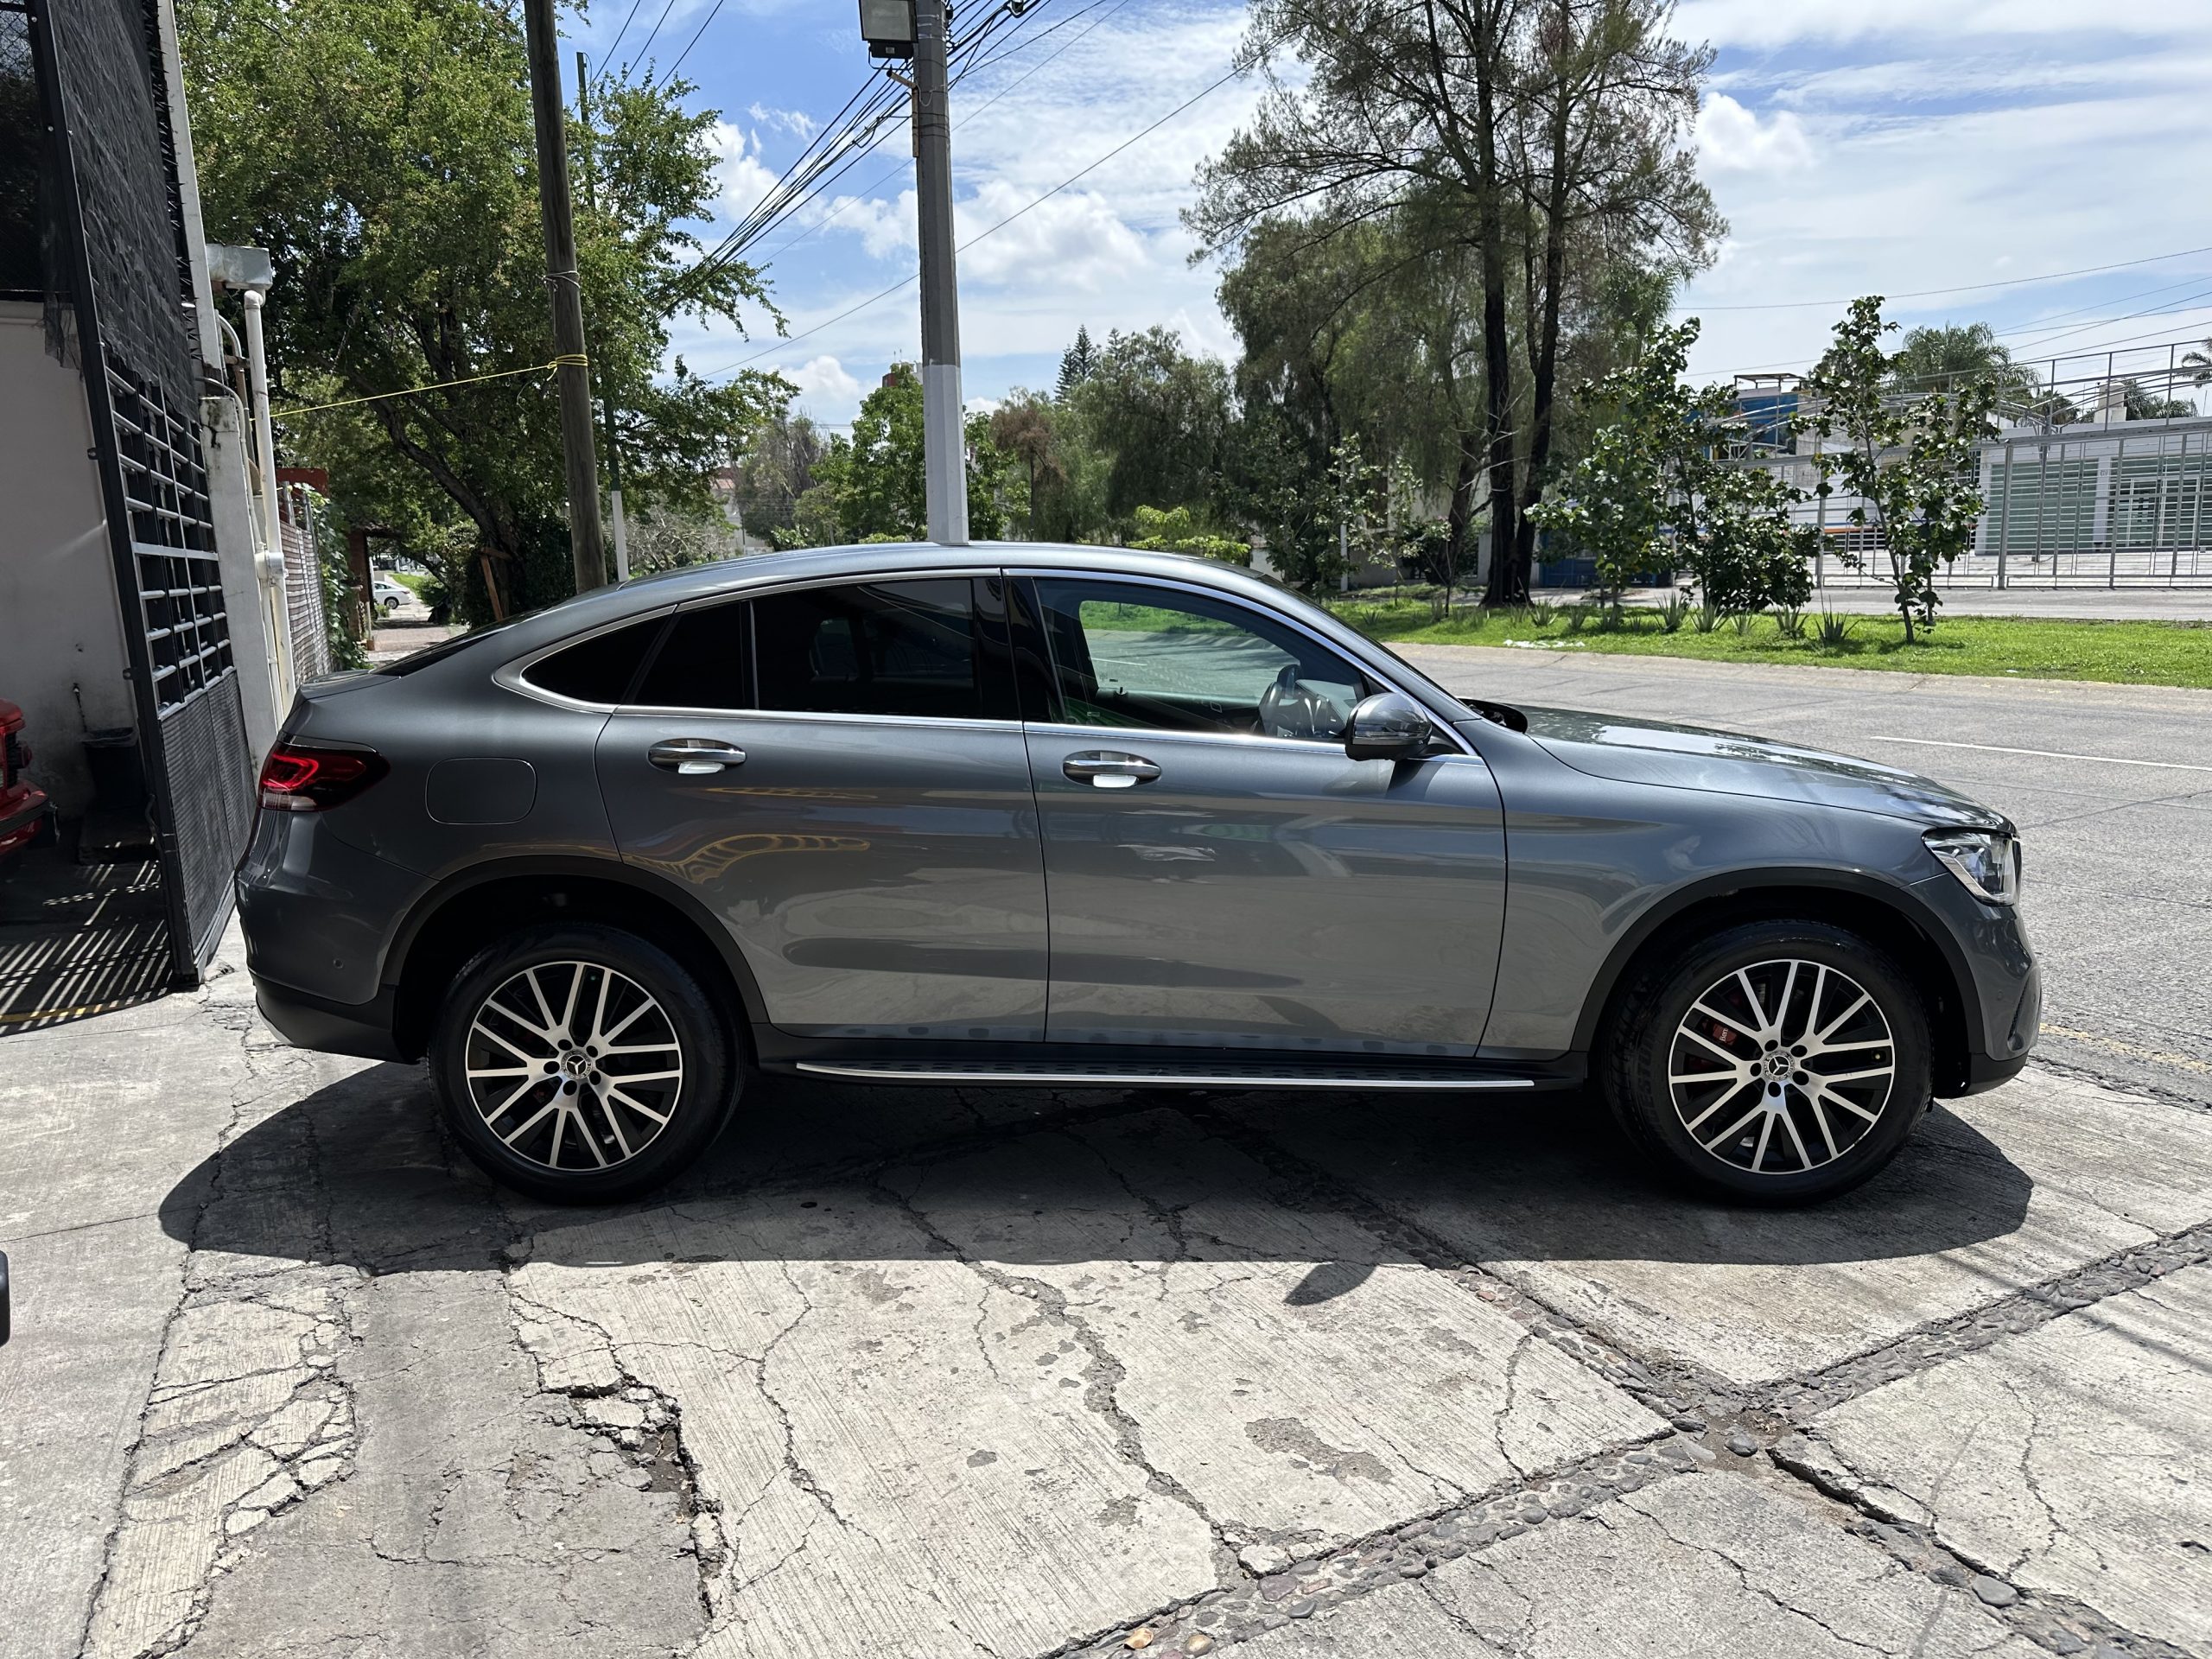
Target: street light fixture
x=887, y=26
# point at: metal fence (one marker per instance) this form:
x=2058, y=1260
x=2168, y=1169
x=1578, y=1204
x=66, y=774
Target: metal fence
x=303, y=554
x=2125, y=505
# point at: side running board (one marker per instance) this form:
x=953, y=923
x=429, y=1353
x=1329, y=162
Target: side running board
x=1015, y=1074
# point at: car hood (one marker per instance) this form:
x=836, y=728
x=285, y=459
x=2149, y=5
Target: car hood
x=1729, y=763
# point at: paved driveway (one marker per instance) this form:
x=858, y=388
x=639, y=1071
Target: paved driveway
x=921, y=1372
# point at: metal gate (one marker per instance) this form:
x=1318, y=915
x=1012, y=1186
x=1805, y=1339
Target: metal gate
x=127, y=324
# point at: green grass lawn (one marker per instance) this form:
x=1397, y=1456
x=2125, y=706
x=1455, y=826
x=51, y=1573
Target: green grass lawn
x=2139, y=653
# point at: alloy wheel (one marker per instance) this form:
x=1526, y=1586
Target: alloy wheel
x=573, y=1065
x=1782, y=1067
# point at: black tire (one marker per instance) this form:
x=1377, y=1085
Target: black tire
x=1819, y=1141
x=573, y=1113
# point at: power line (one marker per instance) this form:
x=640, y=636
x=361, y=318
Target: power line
x=1964, y=288
x=841, y=145
x=607, y=57
x=905, y=281
x=846, y=206
x=637, y=56
x=663, y=79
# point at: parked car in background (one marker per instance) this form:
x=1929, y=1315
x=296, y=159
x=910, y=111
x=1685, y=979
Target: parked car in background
x=1086, y=816
x=23, y=806
x=388, y=591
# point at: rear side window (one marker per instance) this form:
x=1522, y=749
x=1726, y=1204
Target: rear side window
x=600, y=668
x=702, y=663
x=899, y=648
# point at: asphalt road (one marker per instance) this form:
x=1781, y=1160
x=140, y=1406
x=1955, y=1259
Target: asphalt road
x=916, y=1372
x=2110, y=786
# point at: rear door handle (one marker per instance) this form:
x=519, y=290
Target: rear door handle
x=1109, y=769
x=694, y=757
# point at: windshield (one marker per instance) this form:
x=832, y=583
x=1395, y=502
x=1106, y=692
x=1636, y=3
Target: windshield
x=1408, y=676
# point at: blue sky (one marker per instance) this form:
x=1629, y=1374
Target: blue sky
x=1886, y=146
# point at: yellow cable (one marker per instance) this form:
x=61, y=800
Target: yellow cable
x=567, y=360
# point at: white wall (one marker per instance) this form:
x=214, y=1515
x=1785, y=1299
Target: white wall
x=60, y=630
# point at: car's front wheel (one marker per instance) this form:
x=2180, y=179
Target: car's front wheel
x=581, y=1064
x=1778, y=1062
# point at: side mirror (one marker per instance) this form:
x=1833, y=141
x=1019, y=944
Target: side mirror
x=1388, y=726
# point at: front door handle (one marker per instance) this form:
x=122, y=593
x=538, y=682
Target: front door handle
x=694, y=757
x=1109, y=769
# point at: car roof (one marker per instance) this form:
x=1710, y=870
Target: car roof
x=693, y=584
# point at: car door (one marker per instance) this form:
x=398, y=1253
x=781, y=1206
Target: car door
x=837, y=772
x=1220, y=872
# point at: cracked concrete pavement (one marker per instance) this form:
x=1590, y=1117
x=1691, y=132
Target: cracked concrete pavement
x=915, y=1372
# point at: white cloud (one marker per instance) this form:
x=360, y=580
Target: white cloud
x=1765, y=23
x=1073, y=241
x=797, y=122
x=745, y=178
x=1732, y=139
x=825, y=388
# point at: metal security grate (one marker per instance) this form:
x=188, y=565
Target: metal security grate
x=126, y=288
x=173, y=543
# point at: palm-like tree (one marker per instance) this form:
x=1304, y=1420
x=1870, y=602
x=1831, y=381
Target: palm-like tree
x=2202, y=362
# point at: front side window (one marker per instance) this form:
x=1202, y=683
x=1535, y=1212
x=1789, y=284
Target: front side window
x=1131, y=655
x=898, y=648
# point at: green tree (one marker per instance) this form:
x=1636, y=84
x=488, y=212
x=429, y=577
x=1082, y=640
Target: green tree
x=382, y=150
x=1024, y=428
x=1179, y=530
x=1545, y=138
x=2202, y=362
x=1910, y=461
x=1660, y=486
x=774, y=468
x=871, y=486
x=1735, y=536
x=1613, y=506
x=1077, y=362
x=1161, y=414
x=2144, y=404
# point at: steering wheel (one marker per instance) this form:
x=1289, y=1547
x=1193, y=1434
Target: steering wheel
x=1290, y=708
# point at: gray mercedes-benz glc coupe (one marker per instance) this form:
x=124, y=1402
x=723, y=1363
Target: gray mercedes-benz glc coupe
x=1027, y=814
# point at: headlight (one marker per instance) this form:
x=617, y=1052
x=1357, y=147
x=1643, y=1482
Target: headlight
x=1987, y=864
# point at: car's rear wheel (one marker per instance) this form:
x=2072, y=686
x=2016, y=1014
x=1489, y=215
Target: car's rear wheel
x=581, y=1065
x=1778, y=1062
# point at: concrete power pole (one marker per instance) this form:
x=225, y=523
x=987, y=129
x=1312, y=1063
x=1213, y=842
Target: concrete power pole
x=943, y=441
x=585, y=539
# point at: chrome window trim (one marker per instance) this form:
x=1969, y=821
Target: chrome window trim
x=821, y=716
x=796, y=584
x=1054, y=728
x=1443, y=727
x=510, y=674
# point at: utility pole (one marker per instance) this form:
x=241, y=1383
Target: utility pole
x=606, y=397
x=944, y=460
x=574, y=371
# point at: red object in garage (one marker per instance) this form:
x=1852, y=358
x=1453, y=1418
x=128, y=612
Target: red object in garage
x=22, y=804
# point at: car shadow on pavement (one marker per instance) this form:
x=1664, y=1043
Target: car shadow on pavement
x=361, y=1172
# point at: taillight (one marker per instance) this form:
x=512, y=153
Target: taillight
x=307, y=778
